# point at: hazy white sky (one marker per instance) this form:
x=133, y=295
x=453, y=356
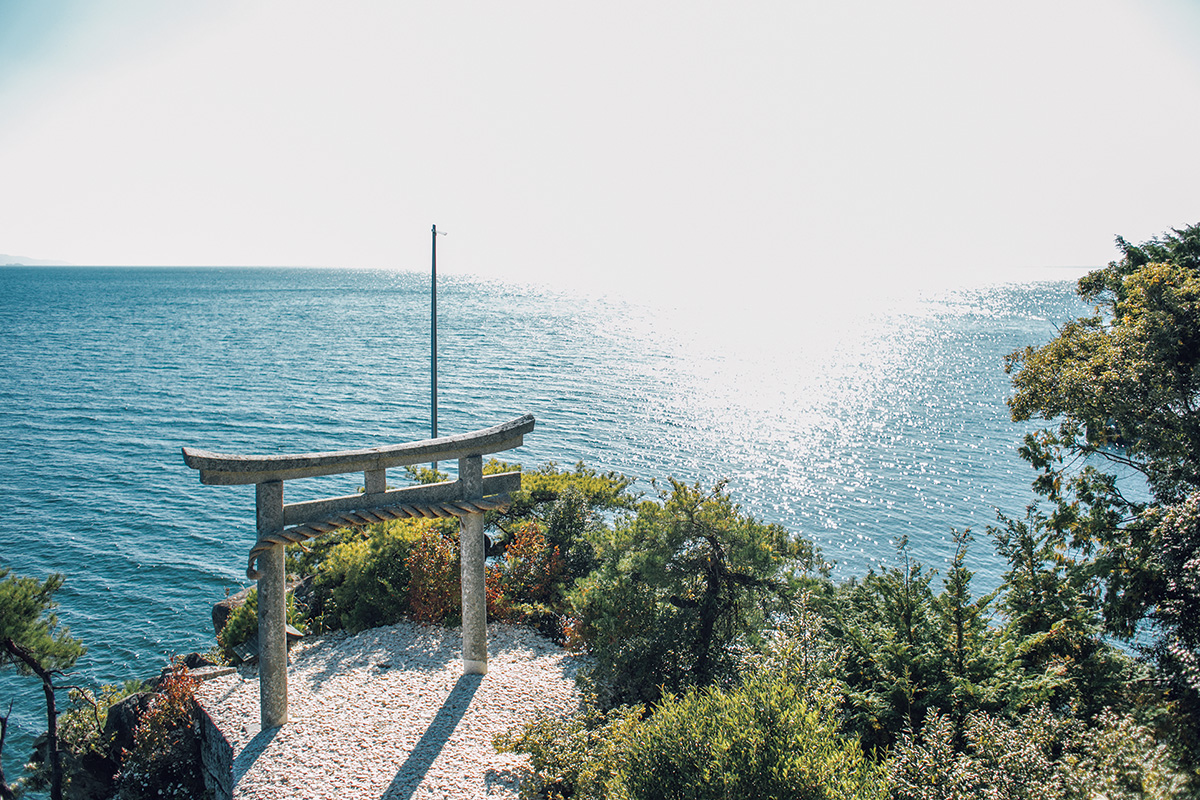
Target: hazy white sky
x=699, y=144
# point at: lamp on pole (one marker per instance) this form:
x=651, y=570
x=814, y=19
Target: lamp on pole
x=433, y=408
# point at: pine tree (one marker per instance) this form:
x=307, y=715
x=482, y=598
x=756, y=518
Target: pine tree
x=32, y=641
x=679, y=591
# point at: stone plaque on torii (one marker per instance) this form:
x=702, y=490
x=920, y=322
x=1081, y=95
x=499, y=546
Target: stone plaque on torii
x=280, y=524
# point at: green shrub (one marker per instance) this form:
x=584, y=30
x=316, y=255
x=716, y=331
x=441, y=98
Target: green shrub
x=242, y=625
x=532, y=567
x=364, y=582
x=540, y=562
x=307, y=558
x=542, y=487
x=574, y=756
x=1037, y=756
x=571, y=524
x=1009, y=761
x=434, y=592
x=82, y=744
x=764, y=739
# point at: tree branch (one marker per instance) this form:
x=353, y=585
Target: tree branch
x=47, y=677
x=6, y=792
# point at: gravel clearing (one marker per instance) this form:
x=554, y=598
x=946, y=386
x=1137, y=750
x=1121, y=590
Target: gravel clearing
x=387, y=713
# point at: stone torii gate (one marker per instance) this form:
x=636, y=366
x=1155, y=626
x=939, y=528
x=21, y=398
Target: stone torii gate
x=279, y=524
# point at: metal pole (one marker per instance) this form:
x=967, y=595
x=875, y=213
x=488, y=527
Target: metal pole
x=433, y=345
x=433, y=411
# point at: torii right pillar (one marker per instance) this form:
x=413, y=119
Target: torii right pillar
x=473, y=571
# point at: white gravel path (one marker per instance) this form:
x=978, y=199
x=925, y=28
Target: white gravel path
x=387, y=713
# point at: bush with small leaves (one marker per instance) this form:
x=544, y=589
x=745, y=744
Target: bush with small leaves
x=364, y=582
x=531, y=568
x=1037, y=756
x=90, y=755
x=543, y=487
x=573, y=756
x=763, y=739
x=528, y=584
x=1120, y=759
x=434, y=587
x=1003, y=760
x=308, y=558
x=165, y=759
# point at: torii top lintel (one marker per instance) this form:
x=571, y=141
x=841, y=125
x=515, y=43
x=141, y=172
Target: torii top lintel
x=229, y=470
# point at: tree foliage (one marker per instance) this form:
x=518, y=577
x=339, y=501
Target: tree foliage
x=29, y=625
x=679, y=590
x=905, y=650
x=1123, y=387
x=1177, y=610
x=1053, y=627
x=1038, y=756
x=32, y=641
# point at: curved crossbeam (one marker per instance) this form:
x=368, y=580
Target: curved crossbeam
x=229, y=470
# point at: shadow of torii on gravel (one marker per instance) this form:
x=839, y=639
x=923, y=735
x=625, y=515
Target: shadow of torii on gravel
x=430, y=745
x=250, y=753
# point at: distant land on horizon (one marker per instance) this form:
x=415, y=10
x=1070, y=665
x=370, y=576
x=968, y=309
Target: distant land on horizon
x=22, y=261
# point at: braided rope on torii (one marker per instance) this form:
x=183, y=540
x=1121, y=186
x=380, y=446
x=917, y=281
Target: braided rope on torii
x=358, y=519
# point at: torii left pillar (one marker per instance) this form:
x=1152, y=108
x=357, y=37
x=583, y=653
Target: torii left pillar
x=272, y=609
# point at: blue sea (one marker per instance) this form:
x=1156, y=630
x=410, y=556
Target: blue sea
x=851, y=423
